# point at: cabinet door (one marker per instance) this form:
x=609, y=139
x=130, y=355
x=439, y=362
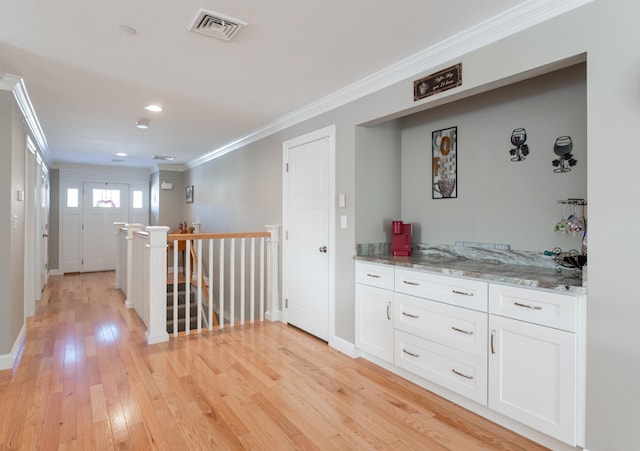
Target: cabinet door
x=374, y=325
x=532, y=376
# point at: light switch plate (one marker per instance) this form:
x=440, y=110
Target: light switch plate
x=343, y=221
x=342, y=200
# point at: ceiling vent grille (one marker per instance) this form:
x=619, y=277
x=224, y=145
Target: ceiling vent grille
x=215, y=25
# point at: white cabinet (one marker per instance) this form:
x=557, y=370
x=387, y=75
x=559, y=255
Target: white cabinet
x=514, y=350
x=374, y=309
x=441, y=330
x=532, y=366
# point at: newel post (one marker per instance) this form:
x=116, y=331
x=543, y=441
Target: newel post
x=157, y=288
x=273, y=278
x=119, y=257
x=131, y=233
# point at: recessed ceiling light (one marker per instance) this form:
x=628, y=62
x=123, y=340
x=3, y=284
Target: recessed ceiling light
x=142, y=123
x=126, y=29
x=154, y=108
x=121, y=154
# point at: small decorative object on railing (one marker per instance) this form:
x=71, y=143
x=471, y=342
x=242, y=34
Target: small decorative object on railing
x=563, y=147
x=518, y=138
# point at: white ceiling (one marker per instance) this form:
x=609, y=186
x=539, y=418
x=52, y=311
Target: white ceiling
x=88, y=81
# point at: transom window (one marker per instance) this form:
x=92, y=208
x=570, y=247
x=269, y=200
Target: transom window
x=106, y=198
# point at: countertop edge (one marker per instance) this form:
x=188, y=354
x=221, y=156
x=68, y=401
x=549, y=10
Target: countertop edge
x=526, y=277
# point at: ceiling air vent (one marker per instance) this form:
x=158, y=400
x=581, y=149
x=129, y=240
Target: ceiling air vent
x=215, y=25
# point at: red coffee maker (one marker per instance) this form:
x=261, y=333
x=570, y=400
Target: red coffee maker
x=400, y=238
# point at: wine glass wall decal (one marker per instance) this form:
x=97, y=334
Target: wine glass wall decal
x=562, y=148
x=518, y=138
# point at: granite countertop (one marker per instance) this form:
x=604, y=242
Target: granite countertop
x=509, y=267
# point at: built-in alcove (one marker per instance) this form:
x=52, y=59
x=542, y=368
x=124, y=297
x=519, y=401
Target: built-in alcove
x=499, y=200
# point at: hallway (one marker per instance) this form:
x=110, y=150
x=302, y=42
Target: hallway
x=86, y=380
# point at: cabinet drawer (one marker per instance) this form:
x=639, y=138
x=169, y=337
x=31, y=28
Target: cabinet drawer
x=452, y=290
x=458, y=371
x=537, y=307
x=459, y=328
x=380, y=276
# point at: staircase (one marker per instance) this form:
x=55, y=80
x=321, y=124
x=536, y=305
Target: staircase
x=193, y=309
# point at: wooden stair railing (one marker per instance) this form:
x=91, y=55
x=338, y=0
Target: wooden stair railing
x=193, y=264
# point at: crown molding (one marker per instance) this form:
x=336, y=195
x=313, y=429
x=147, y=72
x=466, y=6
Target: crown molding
x=15, y=84
x=509, y=22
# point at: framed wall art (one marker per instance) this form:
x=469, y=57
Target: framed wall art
x=190, y=194
x=444, y=160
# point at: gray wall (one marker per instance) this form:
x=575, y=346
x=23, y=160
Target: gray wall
x=12, y=147
x=500, y=201
x=378, y=174
x=167, y=206
x=600, y=30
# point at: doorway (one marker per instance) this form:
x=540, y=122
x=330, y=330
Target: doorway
x=308, y=225
x=103, y=204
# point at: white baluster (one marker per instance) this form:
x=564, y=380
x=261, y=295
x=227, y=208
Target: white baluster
x=199, y=275
x=221, y=315
x=253, y=279
x=242, y=280
x=187, y=286
x=176, y=273
x=210, y=288
x=262, y=257
x=232, y=283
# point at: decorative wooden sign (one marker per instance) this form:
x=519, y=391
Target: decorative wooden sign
x=440, y=81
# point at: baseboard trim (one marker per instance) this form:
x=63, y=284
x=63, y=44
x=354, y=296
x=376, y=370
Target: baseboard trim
x=273, y=316
x=8, y=360
x=56, y=272
x=343, y=346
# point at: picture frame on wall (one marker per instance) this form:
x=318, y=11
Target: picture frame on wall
x=190, y=194
x=444, y=163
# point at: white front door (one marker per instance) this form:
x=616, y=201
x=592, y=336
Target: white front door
x=308, y=214
x=104, y=204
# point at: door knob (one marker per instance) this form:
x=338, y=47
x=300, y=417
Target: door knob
x=323, y=249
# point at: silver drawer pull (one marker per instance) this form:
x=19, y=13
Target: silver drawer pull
x=533, y=307
x=411, y=353
x=468, y=332
x=415, y=284
x=410, y=315
x=461, y=374
x=464, y=293
x=375, y=276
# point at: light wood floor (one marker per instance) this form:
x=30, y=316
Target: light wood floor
x=86, y=380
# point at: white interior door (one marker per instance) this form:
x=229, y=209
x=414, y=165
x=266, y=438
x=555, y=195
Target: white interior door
x=44, y=228
x=308, y=215
x=104, y=204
